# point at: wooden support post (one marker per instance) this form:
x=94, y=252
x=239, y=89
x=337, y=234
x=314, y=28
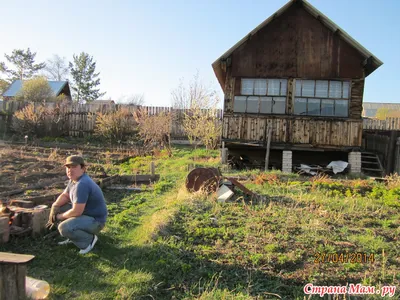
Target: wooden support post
x=397, y=158
x=12, y=275
x=269, y=132
x=4, y=229
x=391, y=155
x=152, y=169
x=224, y=152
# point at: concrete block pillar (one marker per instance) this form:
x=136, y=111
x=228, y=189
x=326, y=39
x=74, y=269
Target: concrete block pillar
x=287, y=161
x=355, y=162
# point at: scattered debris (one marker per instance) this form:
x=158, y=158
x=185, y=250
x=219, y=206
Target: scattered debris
x=207, y=179
x=240, y=186
x=211, y=180
x=334, y=167
x=224, y=193
x=337, y=166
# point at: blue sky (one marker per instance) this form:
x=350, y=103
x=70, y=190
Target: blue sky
x=146, y=47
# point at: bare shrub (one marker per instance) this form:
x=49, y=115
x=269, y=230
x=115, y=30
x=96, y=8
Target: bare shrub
x=393, y=181
x=30, y=120
x=270, y=178
x=115, y=125
x=155, y=129
x=200, y=105
x=203, y=125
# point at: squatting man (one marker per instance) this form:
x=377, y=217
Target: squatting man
x=80, y=209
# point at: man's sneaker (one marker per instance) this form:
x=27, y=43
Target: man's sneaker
x=66, y=242
x=90, y=247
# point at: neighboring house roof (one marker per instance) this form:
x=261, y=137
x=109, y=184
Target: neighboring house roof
x=377, y=105
x=373, y=60
x=103, y=102
x=371, y=108
x=13, y=89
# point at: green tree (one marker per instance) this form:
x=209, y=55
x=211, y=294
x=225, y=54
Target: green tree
x=3, y=86
x=384, y=112
x=35, y=90
x=85, y=79
x=23, y=65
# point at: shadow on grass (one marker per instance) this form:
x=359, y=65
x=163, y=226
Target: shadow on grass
x=171, y=267
x=109, y=271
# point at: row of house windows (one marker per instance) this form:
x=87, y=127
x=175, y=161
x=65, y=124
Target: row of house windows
x=312, y=97
x=263, y=87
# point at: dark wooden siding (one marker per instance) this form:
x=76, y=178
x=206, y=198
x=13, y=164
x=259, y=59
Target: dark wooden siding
x=356, y=98
x=322, y=133
x=296, y=45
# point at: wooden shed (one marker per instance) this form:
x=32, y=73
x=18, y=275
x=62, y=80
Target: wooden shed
x=299, y=74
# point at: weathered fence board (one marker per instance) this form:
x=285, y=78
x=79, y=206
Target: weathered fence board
x=388, y=124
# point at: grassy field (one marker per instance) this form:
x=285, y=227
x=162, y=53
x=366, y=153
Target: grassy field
x=167, y=244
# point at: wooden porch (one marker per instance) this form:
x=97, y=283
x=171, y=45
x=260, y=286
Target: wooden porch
x=294, y=130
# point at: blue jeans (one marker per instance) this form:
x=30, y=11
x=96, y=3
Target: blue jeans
x=80, y=230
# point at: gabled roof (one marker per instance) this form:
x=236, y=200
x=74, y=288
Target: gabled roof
x=369, y=57
x=103, y=102
x=377, y=105
x=13, y=89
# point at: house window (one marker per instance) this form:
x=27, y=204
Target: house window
x=322, y=98
x=266, y=96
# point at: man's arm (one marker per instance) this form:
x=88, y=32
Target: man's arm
x=62, y=199
x=76, y=211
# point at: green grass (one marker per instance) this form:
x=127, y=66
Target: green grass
x=168, y=244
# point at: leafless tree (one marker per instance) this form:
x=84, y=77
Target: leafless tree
x=154, y=129
x=196, y=93
x=56, y=68
x=197, y=108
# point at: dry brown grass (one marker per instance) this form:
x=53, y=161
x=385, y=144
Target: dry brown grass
x=266, y=178
x=393, y=181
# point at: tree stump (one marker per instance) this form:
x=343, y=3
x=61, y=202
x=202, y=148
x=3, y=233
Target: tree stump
x=12, y=275
x=39, y=220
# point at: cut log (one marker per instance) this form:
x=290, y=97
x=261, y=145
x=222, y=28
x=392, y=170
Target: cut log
x=22, y=203
x=39, y=220
x=12, y=275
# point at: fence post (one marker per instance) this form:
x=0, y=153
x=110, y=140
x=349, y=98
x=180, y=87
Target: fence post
x=397, y=157
x=391, y=154
x=152, y=169
x=269, y=133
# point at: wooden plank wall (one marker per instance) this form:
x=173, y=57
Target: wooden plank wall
x=297, y=45
x=321, y=132
x=356, y=98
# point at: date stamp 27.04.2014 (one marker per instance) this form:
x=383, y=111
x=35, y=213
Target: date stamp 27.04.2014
x=344, y=257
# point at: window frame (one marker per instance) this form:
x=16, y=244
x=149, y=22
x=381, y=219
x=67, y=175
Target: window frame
x=265, y=86
x=345, y=86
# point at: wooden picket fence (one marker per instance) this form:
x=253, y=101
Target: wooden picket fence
x=388, y=124
x=80, y=119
